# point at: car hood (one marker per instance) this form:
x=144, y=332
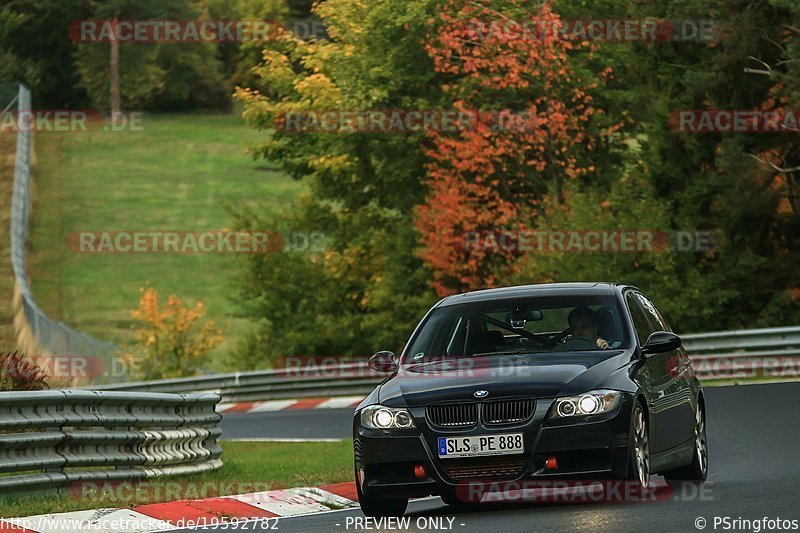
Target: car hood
x=536, y=375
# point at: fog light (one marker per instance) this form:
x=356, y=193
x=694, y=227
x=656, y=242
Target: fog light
x=419, y=471
x=551, y=463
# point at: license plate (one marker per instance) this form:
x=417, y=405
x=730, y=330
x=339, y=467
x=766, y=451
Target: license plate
x=481, y=445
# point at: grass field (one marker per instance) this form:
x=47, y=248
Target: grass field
x=179, y=173
x=264, y=465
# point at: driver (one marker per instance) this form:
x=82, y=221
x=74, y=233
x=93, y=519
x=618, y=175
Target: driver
x=582, y=325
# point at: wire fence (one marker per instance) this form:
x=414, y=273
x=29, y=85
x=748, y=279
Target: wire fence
x=50, y=337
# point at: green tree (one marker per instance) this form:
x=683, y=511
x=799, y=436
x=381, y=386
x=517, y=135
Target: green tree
x=711, y=181
x=161, y=75
x=368, y=289
x=239, y=58
x=724, y=183
x=35, y=48
x=14, y=68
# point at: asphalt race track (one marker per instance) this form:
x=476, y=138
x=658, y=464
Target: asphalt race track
x=310, y=424
x=754, y=453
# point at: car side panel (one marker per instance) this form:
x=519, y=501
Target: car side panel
x=667, y=388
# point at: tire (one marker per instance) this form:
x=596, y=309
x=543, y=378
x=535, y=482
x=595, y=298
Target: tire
x=639, y=447
x=697, y=471
x=380, y=507
x=451, y=499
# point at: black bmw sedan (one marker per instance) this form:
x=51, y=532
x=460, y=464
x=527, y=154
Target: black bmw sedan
x=556, y=381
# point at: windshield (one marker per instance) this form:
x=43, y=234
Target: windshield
x=520, y=326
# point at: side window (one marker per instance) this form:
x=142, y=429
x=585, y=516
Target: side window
x=641, y=322
x=655, y=317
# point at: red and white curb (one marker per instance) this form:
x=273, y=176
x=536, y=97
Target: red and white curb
x=341, y=402
x=182, y=514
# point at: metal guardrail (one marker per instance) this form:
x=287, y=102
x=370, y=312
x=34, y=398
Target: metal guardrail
x=719, y=354
x=52, y=337
x=738, y=354
x=343, y=380
x=54, y=438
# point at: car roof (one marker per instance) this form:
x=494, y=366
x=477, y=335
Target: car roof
x=595, y=288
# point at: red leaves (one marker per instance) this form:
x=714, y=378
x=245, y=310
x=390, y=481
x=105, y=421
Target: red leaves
x=18, y=374
x=533, y=113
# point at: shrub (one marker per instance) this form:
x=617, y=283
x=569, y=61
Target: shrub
x=19, y=374
x=175, y=342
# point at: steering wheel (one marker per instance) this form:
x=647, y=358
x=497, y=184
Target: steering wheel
x=551, y=342
x=579, y=343
x=538, y=341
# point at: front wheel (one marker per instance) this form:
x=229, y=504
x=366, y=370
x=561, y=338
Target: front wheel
x=380, y=507
x=698, y=470
x=451, y=498
x=639, y=449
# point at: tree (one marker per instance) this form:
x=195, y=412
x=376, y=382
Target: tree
x=368, y=289
x=531, y=135
x=158, y=75
x=35, y=49
x=175, y=342
x=711, y=181
x=238, y=58
x=591, y=148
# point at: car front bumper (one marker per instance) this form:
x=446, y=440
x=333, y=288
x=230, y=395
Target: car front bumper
x=387, y=462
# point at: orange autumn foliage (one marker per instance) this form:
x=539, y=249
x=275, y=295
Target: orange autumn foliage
x=175, y=342
x=528, y=138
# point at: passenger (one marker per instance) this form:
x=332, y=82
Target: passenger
x=583, y=325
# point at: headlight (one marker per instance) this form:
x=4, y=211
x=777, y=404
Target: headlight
x=591, y=403
x=380, y=417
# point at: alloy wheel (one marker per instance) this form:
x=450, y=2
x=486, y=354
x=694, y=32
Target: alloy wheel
x=641, y=448
x=701, y=444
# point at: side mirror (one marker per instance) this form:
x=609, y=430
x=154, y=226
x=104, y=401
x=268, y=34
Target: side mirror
x=660, y=342
x=384, y=362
